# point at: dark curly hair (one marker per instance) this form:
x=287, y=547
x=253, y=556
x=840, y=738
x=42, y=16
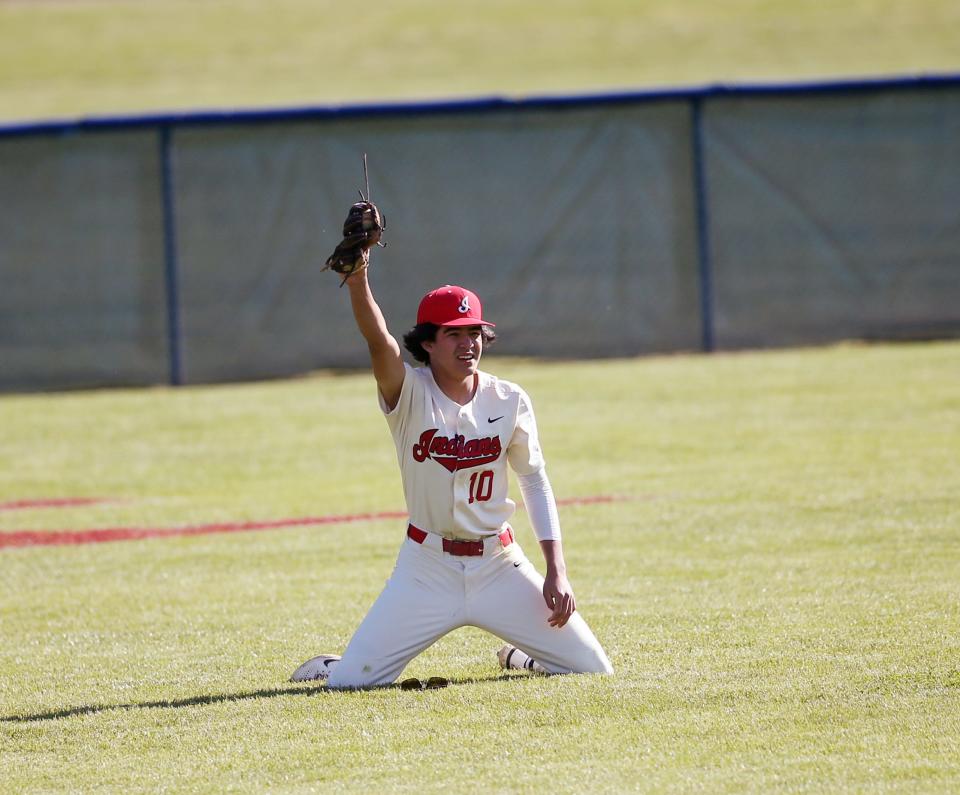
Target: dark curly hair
x=427, y=332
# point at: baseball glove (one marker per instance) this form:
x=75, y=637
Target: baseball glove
x=361, y=231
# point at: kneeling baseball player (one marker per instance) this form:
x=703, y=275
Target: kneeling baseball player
x=456, y=428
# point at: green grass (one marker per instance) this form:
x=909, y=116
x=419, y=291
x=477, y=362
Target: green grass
x=779, y=595
x=79, y=57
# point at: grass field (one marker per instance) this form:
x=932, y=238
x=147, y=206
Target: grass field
x=776, y=576
x=777, y=588
x=62, y=58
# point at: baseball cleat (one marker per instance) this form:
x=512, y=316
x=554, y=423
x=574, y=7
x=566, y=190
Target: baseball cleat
x=315, y=669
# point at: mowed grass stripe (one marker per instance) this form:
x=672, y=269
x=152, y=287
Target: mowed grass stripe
x=61, y=59
x=31, y=538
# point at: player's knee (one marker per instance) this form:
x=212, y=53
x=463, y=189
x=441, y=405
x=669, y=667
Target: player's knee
x=348, y=685
x=601, y=667
x=594, y=661
x=354, y=682
x=350, y=677
x=605, y=667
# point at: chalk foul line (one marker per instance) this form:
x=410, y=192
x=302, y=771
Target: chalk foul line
x=35, y=538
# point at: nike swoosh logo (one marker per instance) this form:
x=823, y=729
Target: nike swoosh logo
x=494, y=419
x=516, y=565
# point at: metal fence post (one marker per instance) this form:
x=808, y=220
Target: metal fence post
x=704, y=262
x=170, y=255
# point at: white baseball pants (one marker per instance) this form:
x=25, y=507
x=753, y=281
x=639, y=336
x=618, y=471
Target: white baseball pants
x=432, y=592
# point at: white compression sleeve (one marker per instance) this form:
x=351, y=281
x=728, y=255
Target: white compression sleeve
x=541, y=505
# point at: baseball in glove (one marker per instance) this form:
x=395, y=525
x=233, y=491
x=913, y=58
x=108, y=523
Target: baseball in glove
x=361, y=232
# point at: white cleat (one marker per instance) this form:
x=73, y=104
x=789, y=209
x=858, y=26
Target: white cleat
x=315, y=669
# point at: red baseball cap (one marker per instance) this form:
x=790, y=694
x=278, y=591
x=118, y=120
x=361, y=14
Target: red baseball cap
x=451, y=306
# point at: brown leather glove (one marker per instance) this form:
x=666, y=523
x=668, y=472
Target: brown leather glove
x=361, y=231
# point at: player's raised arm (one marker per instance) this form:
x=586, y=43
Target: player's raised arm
x=361, y=232
x=384, y=350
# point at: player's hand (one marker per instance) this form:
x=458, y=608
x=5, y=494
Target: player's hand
x=558, y=594
x=359, y=274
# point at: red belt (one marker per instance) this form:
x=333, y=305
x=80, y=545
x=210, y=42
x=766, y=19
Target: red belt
x=463, y=548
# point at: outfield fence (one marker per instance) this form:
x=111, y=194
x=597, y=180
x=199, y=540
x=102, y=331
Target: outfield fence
x=187, y=248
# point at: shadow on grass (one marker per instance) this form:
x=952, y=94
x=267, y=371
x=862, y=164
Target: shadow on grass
x=201, y=701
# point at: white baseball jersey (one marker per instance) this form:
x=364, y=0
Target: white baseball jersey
x=453, y=458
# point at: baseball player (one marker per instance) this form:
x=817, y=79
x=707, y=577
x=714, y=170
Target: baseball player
x=456, y=430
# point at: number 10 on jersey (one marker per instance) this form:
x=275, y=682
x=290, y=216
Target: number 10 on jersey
x=481, y=486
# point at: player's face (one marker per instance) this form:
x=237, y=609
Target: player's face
x=456, y=350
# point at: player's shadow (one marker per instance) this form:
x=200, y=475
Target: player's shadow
x=195, y=701
x=192, y=701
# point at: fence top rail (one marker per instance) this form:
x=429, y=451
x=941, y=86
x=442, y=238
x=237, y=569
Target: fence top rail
x=476, y=104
